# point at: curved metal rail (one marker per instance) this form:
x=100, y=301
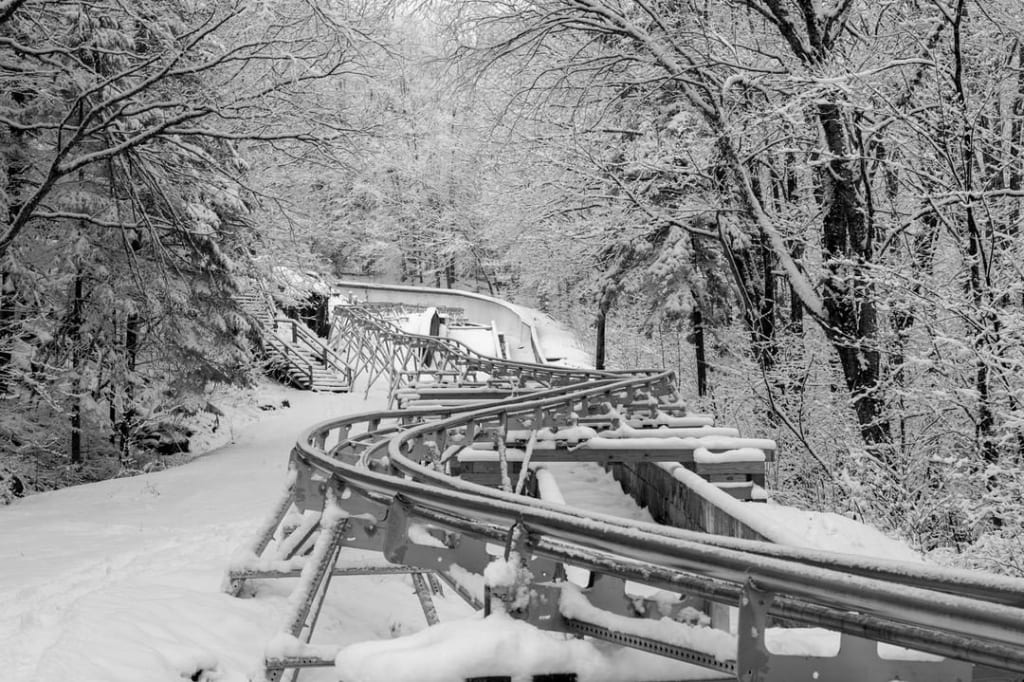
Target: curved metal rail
x=519, y=325
x=366, y=481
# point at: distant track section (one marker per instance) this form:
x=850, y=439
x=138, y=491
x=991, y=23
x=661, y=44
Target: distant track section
x=453, y=470
x=531, y=335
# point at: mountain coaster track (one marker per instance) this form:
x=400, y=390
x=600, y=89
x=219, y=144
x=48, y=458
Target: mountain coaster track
x=432, y=481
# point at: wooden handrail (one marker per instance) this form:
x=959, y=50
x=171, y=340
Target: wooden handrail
x=329, y=357
x=281, y=347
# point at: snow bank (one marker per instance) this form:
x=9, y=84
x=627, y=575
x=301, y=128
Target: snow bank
x=835, y=533
x=120, y=580
x=157, y=634
x=717, y=643
x=500, y=645
x=821, y=643
x=705, y=456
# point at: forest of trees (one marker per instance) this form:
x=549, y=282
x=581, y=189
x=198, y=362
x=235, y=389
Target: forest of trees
x=811, y=209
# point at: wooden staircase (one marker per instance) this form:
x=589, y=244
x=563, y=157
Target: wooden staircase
x=293, y=352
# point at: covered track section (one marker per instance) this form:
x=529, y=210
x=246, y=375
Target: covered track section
x=450, y=484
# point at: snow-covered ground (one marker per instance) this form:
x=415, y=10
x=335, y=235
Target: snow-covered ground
x=120, y=580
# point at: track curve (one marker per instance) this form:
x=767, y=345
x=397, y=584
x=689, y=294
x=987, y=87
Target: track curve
x=386, y=475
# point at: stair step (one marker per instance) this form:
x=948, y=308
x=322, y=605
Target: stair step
x=301, y=364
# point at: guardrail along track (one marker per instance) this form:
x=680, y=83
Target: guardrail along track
x=430, y=485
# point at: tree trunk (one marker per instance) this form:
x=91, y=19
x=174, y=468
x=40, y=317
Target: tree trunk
x=449, y=273
x=796, y=308
x=602, y=315
x=978, y=281
x=903, y=317
x=985, y=337
x=1015, y=154
x=17, y=171
x=755, y=305
x=7, y=310
x=766, y=315
x=697, y=319
x=848, y=294
x=75, y=336
x=131, y=349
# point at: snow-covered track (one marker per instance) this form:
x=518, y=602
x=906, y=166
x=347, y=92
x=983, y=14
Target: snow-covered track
x=530, y=335
x=382, y=481
x=375, y=349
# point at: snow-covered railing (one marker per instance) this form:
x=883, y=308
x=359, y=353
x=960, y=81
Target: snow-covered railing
x=676, y=496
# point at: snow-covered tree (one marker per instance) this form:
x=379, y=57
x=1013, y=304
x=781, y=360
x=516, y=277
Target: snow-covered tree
x=855, y=170
x=125, y=211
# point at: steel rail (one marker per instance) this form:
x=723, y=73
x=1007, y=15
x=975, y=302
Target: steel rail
x=469, y=356
x=998, y=589
x=438, y=413
x=902, y=614
x=463, y=298
x=796, y=609
x=992, y=588
x=952, y=613
x=905, y=598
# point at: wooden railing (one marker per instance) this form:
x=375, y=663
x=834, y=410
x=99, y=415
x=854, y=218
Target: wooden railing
x=293, y=360
x=327, y=357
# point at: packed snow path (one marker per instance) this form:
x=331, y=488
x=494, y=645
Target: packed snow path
x=119, y=581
